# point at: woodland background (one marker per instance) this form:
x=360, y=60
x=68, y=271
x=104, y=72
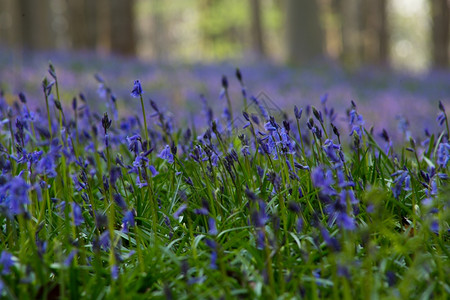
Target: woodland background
x=402, y=34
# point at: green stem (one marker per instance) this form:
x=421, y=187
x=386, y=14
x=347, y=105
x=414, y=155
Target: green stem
x=145, y=119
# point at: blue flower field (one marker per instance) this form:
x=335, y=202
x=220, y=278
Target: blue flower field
x=126, y=180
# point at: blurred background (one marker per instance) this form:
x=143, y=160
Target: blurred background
x=408, y=35
x=390, y=56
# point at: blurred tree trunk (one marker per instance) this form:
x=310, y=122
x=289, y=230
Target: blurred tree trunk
x=257, y=29
x=35, y=24
x=159, y=31
x=332, y=29
x=304, y=34
x=383, y=32
x=350, y=15
x=8, y=30
x=374, y=32
x=103, y=26
x=440, y=16
x=82, y=17
x=123, y=39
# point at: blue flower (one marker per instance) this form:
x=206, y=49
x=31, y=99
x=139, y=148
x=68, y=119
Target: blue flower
x=332, y=242
x=115, y=272
x=179, y=211
x=212, y=226
x=166, y=154
x=443, y=154
x=434, y=226
x=345, y=221
x=104, y=241
x=68, y=261
x=213, y=245
x=6, y=262
x=128, y=221
x=140, y=182
x=298, y=112
x=77, y=216
x=153, y=170
x=403, y=177
x=18, y=195
x=259, y=217
x=330, y=150
x=324, y=181
x=137, y=89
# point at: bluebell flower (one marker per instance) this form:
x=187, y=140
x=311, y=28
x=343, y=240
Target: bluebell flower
x=342, y=182
x=201, y=211
x=166, y=154
x=261, y=107
x=299, y=224
x=332, y=242
x=441, y=118
x=343, y=271
x=434, y=226
x=6, y=261
x=344, y=221
x=391, y=278
x=115, y=272
x=272, y=148
x=104, y=240
x=356, y=121
x=224, y=82
x=115, y=174
x=180, y=210
x=443, y=154
x=259, y=217
x=76, y=214
x=102, y=90
x=140, y=161
x=401, y=176
x=212, y=226
x=153, y=170
x=213, y=245
x=140, y=182
x=294, y=207
x=288, y=144
x=128, y=221
x=15, y=193
x=269, y=127
x=137, y=89
x=260, y=239
x=324, y=180
x=300, y=166
x=69, y=259
x=330, y=150
x=120, y=201
x=298, y=112
x=41, y=246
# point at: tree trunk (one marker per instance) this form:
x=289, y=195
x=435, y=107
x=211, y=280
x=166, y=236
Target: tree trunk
x=35, y=25
x=440, y=34
x=383, y=33
x=9, y=31
x=122, y=27
x=104, y=26
x=257, y=29
x=159, y=32
x=304, y=33
x=374, y=32
x=82, y=18
x=350, y=28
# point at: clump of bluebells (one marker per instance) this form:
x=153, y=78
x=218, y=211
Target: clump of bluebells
x=295, y=205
